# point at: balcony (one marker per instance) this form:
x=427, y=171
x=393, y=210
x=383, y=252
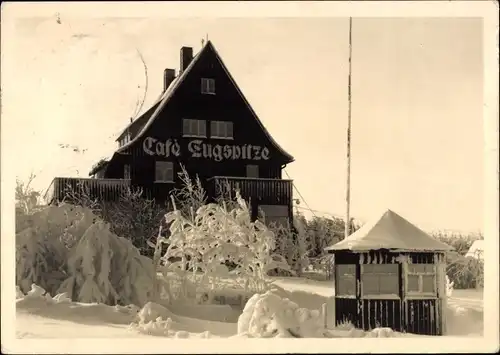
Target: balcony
x=63, y=188
x=260, y=191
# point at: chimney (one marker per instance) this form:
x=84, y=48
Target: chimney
x=186, y=58
x=168, y=77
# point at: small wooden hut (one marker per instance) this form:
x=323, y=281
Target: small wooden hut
x=389, y=273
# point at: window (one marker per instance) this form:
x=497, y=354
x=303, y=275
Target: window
x=421, y=279
x=194, y=128
x=125, y=139
x=252, y=171
x=380, y=279
x=126, y=171
x=345, y=280
x=221, y=129
x=274, y=215
x=164, y=171
x=207, y=86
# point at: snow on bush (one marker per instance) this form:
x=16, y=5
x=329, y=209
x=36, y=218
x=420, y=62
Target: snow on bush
x=214, y=236
x=43, y=241
x=268, y=315
x=155, y=319
x=105, y=268
x=68, y=249
x=449, y=287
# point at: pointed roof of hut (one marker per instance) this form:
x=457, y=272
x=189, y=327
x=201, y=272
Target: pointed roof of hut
x=390, y=231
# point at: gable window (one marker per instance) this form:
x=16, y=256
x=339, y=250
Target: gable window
x=126, y=171
x=125, y=139
x=345, y=280
x=221, y=129
x=194, y=128
x=164, y=171
x=208, y=86
x=252, y=171
x=421, y=279
x=380, y=280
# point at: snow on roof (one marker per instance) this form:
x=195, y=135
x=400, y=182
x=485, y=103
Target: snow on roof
x=390, y=231
x=476, y=249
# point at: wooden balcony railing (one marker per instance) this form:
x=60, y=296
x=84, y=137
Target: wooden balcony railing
x=66, y=189
x=261, y=191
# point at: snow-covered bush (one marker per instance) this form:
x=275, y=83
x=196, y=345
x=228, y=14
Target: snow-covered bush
x=105, y=268
x=135, y=217
x=43, y=242
x=465, y=272
x=449, y=287
x=212, y=237
x=69, y=249
x=268, y=315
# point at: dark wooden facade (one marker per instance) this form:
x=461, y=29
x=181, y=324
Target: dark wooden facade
x=418, y=314
x=158, y=135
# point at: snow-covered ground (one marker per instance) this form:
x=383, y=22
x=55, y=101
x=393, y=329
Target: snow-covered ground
x=38, y=318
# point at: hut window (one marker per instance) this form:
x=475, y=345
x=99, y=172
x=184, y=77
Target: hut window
x=421, y=279
x=380, y=279
x=194, y=128
x=164, y=171
x=221, y=129
x=126, y=171
x=345, y=280
x=207, y=86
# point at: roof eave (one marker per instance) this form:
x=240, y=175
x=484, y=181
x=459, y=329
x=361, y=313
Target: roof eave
x=407, y=250
x=164, y=99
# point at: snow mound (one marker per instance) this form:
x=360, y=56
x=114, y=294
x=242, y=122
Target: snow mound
x=155, y=319
x=167, y=328
x=381, y=333
x=268, y=315
x=38, y=302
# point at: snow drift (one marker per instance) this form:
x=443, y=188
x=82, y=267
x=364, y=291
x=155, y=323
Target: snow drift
x=38, y=302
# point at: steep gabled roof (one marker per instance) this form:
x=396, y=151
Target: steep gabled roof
x=135, y=126
x=390, y=231
x=178, y=81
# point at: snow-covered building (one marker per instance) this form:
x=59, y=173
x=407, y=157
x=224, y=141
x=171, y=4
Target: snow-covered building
x=476, y=250
x=203, y=122
x=389, y=273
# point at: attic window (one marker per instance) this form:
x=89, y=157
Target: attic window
x=208, y=86
x=194, y=128
x=221, y=129
x=125, y=139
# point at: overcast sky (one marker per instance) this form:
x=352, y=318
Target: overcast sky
x=417, y=93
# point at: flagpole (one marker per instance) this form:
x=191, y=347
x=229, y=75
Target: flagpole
x=348, y=182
